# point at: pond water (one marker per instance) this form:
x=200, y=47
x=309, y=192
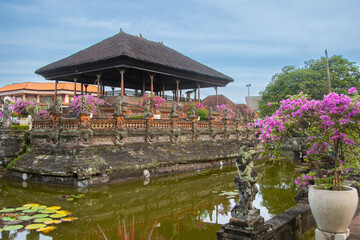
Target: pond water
x=185, y=206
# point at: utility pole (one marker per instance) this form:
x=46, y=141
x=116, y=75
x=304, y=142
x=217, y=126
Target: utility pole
x=328, y=71
x=248, y=86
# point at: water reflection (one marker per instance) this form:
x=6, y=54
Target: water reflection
x=186, y=206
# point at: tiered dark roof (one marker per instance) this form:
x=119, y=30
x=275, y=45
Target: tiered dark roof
x=136, y=54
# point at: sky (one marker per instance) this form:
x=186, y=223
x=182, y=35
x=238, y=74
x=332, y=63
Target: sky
x=247, y=40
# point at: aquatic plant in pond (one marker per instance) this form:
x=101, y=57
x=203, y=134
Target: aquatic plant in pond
x=33, y=216
x=330, y=128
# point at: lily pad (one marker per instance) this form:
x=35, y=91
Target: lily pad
x=63, y=212
x=12, y=227
x=35, y=226
x=31, y=205
x=39, y=207
x=69, y=219
x=57, y=215
x=43, y=215
x=8, y=219
x=30, y=210
x=53, y=221
x=25, y=218
x=53, y=208
x=48, y=211
x=70, y=199
x=21, y=208
x=42, y=220
x=45, y=229
x=5, y=210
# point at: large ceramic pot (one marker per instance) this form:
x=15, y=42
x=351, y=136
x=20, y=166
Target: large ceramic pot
x=333, y=210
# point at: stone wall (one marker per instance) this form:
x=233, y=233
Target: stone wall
x=11, y=144
x=87, y=166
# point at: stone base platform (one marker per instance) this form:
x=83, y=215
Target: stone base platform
x=90, y=166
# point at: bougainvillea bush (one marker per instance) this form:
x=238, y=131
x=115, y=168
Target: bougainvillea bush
x=154, y=100
x=91, y=102
x=331, y=130
x=223, y=108
x=200, y=110
x=22, y=108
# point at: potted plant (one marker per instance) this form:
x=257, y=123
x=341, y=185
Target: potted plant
x=201, y=112
x=92, y=104
x=331, y=130
x=155, y=102
x=224, y=109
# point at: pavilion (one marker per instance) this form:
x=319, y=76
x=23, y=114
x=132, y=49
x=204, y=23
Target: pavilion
x=127, y=61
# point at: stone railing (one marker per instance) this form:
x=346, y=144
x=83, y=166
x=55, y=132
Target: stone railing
x=119, y=130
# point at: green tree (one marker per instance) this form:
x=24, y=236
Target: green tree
x=310, y=79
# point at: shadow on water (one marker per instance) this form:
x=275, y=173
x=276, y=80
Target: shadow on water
x=186, y=206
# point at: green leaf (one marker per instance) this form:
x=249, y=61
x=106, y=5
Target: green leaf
x=22, y=208
x=49, y=211
x=25, y=218
x=40, y=215
x=8, y=210
x=70, y=199
x=39, y=207
x=35, y=226
x=30, y=210
x=42, y=220
x=8, y=219
x=12, y=227
x=58, y=215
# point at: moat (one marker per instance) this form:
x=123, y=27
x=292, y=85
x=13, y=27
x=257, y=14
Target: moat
x=190, y=205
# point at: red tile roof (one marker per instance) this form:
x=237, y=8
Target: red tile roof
x=45, y=87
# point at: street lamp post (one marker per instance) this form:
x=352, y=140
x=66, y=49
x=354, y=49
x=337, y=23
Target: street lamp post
x=248, y=86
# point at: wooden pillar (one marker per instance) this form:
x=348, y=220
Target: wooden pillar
x=195, y=89
x=143, y=88
x=56, y=83
x=122, y=71
x=152, y=83
x=98, y=76
x=198, y=92
x=163, y=90
x=113, y=91
x=86, y=86
x=75, y=80
x=217, y=97
x=82, y=88
x=177, y=90
x=180, y=93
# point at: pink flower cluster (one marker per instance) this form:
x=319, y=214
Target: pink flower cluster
x=304, y=180
x=221, y=108
x=155, y=101
x=91, y=102
x=200, y=110
x=335, y=118
x=21, y=107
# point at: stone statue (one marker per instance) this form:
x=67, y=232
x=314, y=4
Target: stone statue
x=6, y=115
x=192, y=112
x=238, y=116
x=58, y=105
x=211, y=116
x=245, y=183
x=84, y=107
x=36, y=108
x=174, y=112
x=147, y=111
x=226, y=112
x=118, y=107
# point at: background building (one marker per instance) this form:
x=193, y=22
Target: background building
x=44, y=92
